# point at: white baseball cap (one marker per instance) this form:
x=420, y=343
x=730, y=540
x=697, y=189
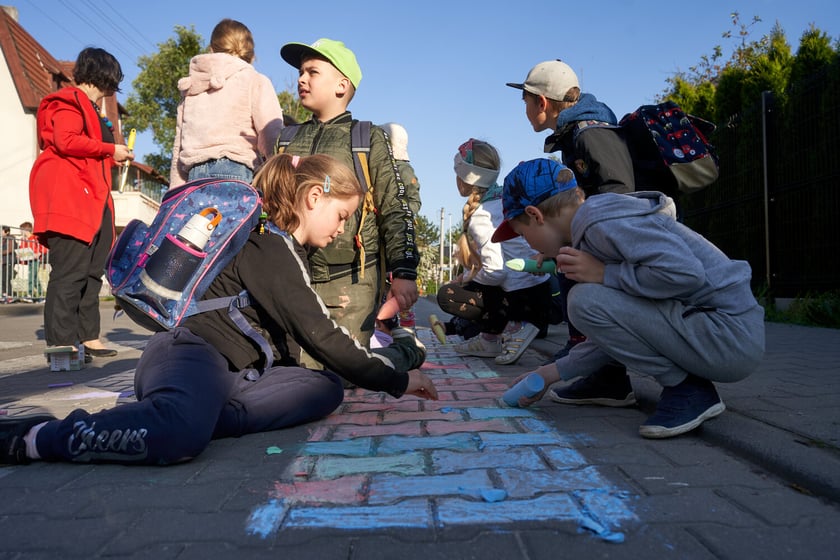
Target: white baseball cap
x=552, y=79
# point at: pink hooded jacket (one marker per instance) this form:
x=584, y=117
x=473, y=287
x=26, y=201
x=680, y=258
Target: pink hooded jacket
x=227, y=109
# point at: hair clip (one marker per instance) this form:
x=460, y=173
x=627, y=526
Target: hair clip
x=327, y=184
x=295, y=160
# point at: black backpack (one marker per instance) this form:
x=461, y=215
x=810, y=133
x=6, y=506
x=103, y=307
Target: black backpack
x=670, y=149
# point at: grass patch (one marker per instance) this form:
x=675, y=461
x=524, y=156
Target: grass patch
x=811, y=309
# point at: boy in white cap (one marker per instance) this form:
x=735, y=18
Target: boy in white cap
x=586, y=131
x=346, y=274
x=650, y=293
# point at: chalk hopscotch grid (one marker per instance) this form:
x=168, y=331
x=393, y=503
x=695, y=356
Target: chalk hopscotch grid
x=466, y=459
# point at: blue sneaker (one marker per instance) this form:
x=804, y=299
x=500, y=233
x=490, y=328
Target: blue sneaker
x=683, y=408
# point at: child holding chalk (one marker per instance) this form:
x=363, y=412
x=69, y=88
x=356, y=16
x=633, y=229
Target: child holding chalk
x=510, y=307
x=650, y=293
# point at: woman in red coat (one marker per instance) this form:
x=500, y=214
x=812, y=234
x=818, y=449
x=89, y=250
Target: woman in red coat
x=70, y=196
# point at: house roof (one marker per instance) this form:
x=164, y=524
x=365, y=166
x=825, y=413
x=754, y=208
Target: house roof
x=34, y=70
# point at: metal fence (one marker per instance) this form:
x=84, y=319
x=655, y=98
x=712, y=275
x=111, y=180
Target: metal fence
x=24, y=268
x=776, y=203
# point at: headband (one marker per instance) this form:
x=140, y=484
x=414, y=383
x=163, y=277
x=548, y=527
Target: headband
x=474, y=175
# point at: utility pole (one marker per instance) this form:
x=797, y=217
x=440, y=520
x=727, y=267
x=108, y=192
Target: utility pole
x=440, y=266
x=449, y=235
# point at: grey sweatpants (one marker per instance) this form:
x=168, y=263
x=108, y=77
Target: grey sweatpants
x=664, y=339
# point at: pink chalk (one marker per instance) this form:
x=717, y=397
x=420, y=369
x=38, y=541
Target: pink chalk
x=388, y=309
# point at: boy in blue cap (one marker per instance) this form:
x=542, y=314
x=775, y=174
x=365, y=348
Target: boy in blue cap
x=587, y=133
x=651, y=293
x=346, y=274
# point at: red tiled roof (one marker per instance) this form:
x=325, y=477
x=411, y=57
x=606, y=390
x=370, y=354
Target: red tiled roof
x=34, y=71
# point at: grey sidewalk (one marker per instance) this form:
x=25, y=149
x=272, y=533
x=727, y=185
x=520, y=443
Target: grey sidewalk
x=464, y=477
x=785, y=417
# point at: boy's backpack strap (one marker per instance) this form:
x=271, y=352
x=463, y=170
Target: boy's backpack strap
x=287, y=134
x=360, y=145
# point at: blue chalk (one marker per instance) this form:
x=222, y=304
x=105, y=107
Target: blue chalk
x=531, y=385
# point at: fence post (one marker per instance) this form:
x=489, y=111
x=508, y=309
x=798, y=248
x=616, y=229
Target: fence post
x=766, y=101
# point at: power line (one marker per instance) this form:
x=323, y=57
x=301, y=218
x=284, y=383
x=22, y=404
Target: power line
x=119, y=29
x=60, y=26
x=138, y=33
x=111, y=42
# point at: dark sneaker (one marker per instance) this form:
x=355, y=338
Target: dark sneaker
x=609, y=386
x=563, y=352
x=682, y=408
x=12, y=430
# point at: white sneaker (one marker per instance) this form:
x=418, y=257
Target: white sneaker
x=478, y=346
x=516, y=343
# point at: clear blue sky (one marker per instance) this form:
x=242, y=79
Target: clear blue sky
x=440, y=67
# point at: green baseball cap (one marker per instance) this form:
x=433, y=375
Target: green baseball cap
x=339, y=56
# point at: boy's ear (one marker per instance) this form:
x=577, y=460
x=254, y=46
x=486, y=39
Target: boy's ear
x=343, y=87
x=535, y=214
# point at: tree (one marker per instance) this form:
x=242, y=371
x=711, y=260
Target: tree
x=292, y=107
x=686, y=86
x=428, y=243
x=154, y=102
x=426, y=233
x=770, y=68
x=813, y=56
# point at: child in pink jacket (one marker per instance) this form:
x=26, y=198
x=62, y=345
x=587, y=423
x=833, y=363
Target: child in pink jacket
x=229, y=116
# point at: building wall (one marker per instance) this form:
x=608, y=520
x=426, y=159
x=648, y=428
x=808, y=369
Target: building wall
x=18, y=150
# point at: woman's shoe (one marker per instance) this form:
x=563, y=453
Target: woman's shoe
x=100, y=352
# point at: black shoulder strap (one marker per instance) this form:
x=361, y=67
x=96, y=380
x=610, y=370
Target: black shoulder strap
x=360, y=144
x=287, y=134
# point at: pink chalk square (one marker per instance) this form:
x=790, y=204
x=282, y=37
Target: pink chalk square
x=344, y=490
x=403, y=405
x=358, y=418
x=433, y=365
x=320, y=432
x=363, y=395
x=450, y=415
x=404, y=429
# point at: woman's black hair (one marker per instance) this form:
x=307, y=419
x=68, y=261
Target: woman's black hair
x=99, y=68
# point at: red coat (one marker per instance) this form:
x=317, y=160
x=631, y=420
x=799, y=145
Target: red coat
x=70, y=182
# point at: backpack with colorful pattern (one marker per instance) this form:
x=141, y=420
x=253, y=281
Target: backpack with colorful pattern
x=670, y=149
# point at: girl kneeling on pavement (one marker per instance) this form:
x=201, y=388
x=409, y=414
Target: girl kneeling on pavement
x=511, y=308
x=196, y=382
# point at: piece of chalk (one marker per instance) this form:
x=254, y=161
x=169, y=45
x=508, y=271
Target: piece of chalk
x=531, y=385
x=438, y=328
x=530, y=265
x=388, y=309
x=493, y=494
x=56, y=385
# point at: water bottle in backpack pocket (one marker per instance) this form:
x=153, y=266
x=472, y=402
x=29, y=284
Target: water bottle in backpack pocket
x=159, y=272
x=170, y=268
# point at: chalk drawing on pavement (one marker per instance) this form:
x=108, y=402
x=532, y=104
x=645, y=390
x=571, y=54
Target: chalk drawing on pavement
x=466, y=459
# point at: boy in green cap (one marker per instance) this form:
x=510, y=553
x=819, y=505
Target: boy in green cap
x=380, y=236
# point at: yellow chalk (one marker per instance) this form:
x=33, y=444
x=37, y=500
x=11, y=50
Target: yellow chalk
x=438, y=328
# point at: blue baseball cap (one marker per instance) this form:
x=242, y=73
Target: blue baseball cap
x=530, y=183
